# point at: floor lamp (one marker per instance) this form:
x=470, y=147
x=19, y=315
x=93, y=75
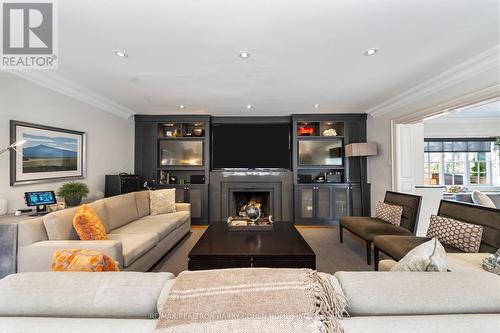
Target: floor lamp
x=361, y=150
x=3, y=202
x=13, y=146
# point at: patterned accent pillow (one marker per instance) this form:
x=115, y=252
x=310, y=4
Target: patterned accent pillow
x=463, y=236
x=389, y=213
x=88, y=225
x=78, y=260
x=162, y=201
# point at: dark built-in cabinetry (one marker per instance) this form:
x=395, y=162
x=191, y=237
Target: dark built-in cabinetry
x=326, y=184
x=189, y=138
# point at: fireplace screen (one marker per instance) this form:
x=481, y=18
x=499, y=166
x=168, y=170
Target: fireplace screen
x=243, y=200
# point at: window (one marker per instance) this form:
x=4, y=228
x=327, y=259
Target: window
x=478, y=163
x=454, y=168
x=460, y=162
x=432, y=168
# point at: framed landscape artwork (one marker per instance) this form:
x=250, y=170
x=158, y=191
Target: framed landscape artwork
x=49, y=153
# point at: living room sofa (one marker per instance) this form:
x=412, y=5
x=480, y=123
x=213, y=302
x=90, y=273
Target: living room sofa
x=129, y=301
x=136, y=239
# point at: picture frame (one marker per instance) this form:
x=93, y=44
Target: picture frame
x=49, y=154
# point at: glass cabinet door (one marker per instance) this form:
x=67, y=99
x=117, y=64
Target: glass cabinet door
x=306, y=202
x=341, y=201
x=324, y=202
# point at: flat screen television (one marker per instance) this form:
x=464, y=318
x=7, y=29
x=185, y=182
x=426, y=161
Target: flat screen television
x=320, y=152
x=178, y=152
x=251, y=146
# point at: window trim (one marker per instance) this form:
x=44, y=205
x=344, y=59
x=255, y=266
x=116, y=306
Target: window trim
x=467, y=162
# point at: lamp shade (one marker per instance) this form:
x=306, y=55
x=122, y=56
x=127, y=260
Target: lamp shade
x=361, y=149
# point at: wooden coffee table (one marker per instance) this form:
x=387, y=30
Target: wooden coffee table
x=283, y=247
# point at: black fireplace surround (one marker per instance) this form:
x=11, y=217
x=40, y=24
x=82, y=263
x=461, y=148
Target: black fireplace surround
x=227, y=186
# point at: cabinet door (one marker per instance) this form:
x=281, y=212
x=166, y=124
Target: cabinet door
x=341, y=202
x=352, y=167
x=356, y=207
x=145, y=151
x=324, y=203
x=305, y=204
x=180, y=195
x=198, y=198
x=195, y=199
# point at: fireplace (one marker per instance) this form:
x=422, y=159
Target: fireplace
x=243, y=199
x=239, y=195
x=228, y=187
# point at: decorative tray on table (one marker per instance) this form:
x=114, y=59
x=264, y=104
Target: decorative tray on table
x=245, y=224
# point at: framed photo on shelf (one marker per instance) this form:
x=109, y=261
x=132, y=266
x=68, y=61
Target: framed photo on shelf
x=49, y=153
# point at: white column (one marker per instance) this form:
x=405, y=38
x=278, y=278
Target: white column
x=409, y=156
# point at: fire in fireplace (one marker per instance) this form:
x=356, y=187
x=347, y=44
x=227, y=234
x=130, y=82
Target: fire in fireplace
x=259, y=199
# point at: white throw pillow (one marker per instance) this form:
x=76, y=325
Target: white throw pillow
x=482, y=199
x=162, y=201
x=427, y=257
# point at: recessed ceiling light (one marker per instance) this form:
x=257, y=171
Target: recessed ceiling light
x=120, y=53
x=249, y=106
x=370, y=52
x=316, y=106
x=244, y=54
x=182, y=106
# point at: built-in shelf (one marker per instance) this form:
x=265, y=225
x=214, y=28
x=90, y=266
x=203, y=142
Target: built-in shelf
x=182, y=130
x=319, y=137
x=185, y=168
x=320, y=167
x=195, y=138
x=323, y=128
x=172, y=152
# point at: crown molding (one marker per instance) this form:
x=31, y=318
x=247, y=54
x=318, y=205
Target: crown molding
x=487, y=94
x=61, y=85
x=485, y=61
x=473, y=121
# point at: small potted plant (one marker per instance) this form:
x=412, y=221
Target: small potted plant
x=73, y=193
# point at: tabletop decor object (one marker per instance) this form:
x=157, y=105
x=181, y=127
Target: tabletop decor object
x=492, y=263
x=73, y=193
x=245, y=224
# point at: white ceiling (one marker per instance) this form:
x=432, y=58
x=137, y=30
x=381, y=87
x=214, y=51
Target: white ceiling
x=302, y=52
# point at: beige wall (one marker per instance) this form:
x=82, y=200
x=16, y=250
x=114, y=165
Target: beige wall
x=109, y=138
x=380, y=166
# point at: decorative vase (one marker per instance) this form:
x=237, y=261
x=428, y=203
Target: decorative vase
x=3, y=206
x=253, y=212
x=73, y=201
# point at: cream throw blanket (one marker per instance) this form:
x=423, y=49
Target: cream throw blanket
x=251, y=300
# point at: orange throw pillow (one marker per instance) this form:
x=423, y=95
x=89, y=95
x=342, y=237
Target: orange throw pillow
x=78, y=260
x=88, y=225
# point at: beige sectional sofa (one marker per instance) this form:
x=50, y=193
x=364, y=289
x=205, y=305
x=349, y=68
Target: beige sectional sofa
x=125, y=302
x=136, y=240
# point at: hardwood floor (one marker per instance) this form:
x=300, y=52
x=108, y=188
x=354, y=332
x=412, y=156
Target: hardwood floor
x=331, y=256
